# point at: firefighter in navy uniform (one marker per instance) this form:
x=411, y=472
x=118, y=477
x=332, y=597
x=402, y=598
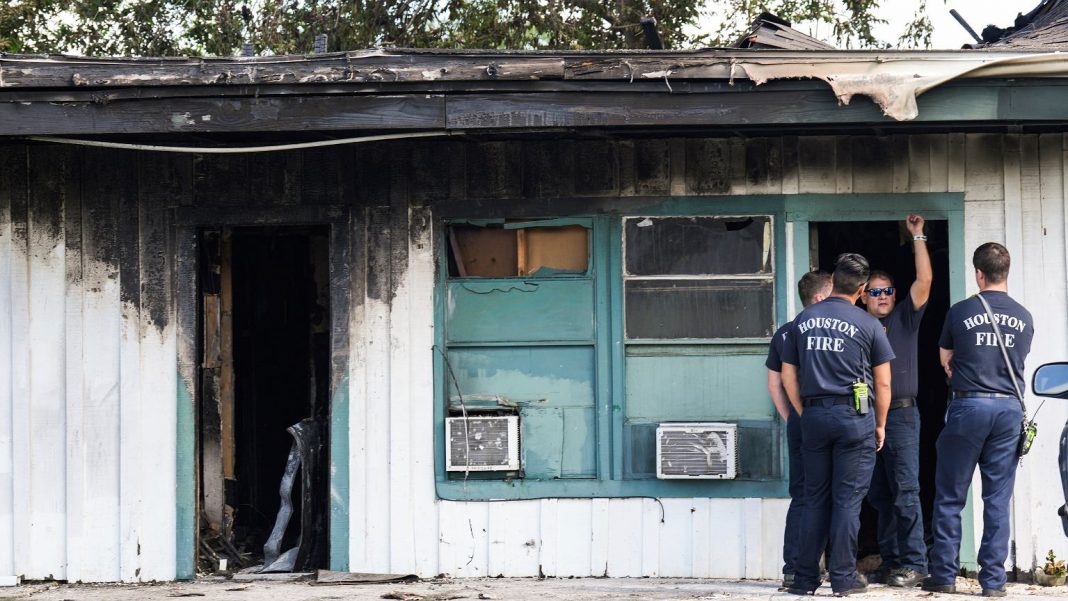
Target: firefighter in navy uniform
x=812, y=288
x=835, y=363
x=895, y=484
x=982, y=422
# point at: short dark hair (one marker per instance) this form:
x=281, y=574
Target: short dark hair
x=993, y=260
x=811, y=284
x=850, y=273
x=879, y=273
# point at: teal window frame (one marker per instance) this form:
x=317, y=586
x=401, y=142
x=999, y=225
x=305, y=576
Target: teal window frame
x=790, y=260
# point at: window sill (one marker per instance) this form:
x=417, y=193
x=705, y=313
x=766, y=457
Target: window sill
x=515, y=490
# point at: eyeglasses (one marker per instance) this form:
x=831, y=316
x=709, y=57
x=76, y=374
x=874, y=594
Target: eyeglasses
x=877, y=292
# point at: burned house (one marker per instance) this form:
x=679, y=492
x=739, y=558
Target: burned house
x=523, y=298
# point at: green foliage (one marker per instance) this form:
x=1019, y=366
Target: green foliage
x=221, y=27
x=1054, y=566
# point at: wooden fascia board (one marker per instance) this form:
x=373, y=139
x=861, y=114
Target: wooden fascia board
x=772, y=104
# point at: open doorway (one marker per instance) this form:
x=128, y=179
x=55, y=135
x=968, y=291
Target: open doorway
x=265, y=368
x=888, y=247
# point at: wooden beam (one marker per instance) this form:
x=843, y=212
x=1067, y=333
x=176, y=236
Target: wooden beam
x=205, y=115
x=104, y=73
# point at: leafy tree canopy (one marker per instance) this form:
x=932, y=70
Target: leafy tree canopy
x=222, y=27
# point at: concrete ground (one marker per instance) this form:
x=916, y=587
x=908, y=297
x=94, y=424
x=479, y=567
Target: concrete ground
x=579, y=589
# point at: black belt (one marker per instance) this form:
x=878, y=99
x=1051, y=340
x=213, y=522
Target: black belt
x=973, y=394
x=828, y=400
x=903, y=402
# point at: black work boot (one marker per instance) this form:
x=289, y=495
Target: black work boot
x=994, y=592
x=859, y=586
x=934, y=587
x=905, y=578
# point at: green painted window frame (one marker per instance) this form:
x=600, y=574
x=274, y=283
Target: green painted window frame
x=790, y=216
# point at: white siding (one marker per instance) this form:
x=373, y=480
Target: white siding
x=88, y=386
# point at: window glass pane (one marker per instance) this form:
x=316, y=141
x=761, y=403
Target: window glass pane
x=487, y=252
x=546, y=251
x=698, y=245
x=496, y=252
x=699, y=308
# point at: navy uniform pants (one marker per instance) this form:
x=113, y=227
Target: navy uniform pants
x=895, y=493
x=981, y=432
x=791, y=545
x=838, y=447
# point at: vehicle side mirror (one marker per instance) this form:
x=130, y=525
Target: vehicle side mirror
x=1051, y=379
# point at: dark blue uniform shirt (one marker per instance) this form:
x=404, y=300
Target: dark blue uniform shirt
x=977, y=362
x=834, y=343
x=774, y=361
x=902, y=327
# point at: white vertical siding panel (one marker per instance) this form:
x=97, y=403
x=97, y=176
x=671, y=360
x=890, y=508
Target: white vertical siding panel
x=421, y=377
x=700, y=559
x=774, y=521
x=7, y=252
x=93, y=454
x=132, y=423
x=653, y=514
x=1013, y=213
x=874, y=172
x=159, y=432
x=373, y=454
x=1021, y=515
x=985, y=221
x=815, y=161
x=574, y=525
x=900, y=149
x=752, y=517
x=984, y=165
x=601, y=525
x=939, y=162
x=359, y=323
x=919, y=163
x=40, y=425
x=1051, y=332
x=955, y=158
x=376, y=447
x=400, y=441
x=736, y=166
x=1027, y=283
x=843, y=164
x=158, y=381
x=464, y=548
x=791, y=168
x=625, y=537
x=727, y=531
x=75, y=380
x=676, y=538
x=548, y=536
x=514, y=535
x=20, y=387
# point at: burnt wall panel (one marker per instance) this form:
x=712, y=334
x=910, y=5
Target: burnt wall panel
x=495, y=170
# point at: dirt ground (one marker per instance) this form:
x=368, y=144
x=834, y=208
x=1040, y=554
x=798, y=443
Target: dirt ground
x=578, y=589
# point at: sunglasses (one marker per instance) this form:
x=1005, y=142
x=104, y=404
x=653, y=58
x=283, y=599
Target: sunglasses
x=877, y=292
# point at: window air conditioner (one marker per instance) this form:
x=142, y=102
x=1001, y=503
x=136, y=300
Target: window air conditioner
x=696, y=451
x=487, y=444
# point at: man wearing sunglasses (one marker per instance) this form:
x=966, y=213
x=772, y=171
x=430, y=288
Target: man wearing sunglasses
x=895, y=487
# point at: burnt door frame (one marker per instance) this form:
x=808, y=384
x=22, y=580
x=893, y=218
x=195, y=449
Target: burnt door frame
x=345, y=232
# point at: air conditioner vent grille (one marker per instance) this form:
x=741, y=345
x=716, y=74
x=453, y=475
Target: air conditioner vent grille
x=489, y=444
x=696, y=450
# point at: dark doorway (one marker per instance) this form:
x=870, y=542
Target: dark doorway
x=888, y=247
x=268, y=370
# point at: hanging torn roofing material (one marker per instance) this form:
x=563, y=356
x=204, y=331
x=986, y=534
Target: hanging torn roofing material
x=894, y=82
